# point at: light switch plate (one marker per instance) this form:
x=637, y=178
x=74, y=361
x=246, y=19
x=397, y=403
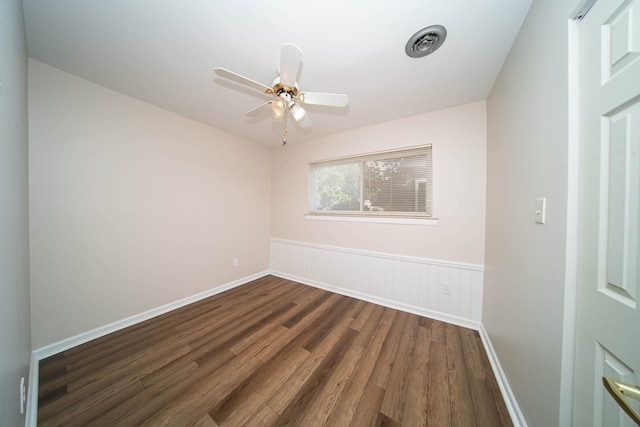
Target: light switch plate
x=540, y=209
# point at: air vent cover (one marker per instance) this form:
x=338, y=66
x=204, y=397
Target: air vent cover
x=426, y=41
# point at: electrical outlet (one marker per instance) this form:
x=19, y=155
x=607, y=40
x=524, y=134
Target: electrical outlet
x=446, y=288
x=235, y=262
x=23, y=395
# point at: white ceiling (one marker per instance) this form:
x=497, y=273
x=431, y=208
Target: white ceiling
x=164, y=53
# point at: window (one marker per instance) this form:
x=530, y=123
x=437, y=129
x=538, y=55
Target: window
x=392, y=183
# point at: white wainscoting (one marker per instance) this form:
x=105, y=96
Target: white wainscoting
x=406, y=283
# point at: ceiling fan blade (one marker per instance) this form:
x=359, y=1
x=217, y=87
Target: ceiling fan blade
x=222, y=72
x=261, y=109
x=328, y=99
x=290, y=58
x=275, y=106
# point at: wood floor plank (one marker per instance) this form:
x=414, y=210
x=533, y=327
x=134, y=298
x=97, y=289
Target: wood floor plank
x=253, y=393
x=287, y=321
x=309, y=305
x=462, y=412
x=325, y=400
x=367, y=412
x=473, y=360
x=484, y=406
x=191, y=407
x=203, y=327
x=364, y=317
x=314, y=316
x=218, y=354
x=264, y=416
x=117, y=339
x=83, y=417
x=345, y=408
x=138, y=365
x=296, y=410
x=212, y=355
x=385, y=421
x=346, y=307
x=287, y=392
x=415, y=407
x=389, y=350
x=494, y=389
x=205, y=421
x=103, y=383
x=438, y=399
x=396, y=390
x=237, y=315
x=275, y=352
x=437, y=331
x=159, y=395
x=90, y=405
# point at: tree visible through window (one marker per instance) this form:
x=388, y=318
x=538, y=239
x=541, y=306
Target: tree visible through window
x=396, y=182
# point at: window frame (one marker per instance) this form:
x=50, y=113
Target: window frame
x=393, y=217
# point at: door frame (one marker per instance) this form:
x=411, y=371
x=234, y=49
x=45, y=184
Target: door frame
x=569, y=327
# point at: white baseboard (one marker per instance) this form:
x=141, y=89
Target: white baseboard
x=507, y=394
x=459, y=321
x=55, y=348
x=31, y=419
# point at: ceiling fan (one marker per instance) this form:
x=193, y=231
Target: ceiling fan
x=285, y=92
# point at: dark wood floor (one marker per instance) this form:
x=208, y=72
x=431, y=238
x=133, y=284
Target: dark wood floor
x=275, y=352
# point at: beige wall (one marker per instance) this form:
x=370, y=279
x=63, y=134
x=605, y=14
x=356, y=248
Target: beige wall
x=458, y=136
x=15, y=334
x=527, y=148
x=132, y=206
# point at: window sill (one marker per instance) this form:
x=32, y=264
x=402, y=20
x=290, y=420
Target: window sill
x=373, y=219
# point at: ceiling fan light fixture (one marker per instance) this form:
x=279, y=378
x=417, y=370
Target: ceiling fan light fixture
x=277, y=105
x=297, y=111
x=426, y=41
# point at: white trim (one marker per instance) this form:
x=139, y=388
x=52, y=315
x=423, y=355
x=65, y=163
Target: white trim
x=373, y=219
x=406, y=151
x=503, y=383
x=65, y=344
x=31, y=415
x=452, y=264
x=443, y=317
x=581, y=10
x=569, y=325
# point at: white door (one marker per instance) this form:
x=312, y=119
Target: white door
x=608, y=324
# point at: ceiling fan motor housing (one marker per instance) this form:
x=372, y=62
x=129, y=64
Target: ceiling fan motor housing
x=279, y=88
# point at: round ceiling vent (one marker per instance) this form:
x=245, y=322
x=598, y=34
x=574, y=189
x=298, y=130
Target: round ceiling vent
x=426, y=41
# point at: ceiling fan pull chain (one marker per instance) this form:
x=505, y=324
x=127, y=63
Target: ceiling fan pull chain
x=285, y=131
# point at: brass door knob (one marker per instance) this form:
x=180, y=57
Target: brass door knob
x=622, y=392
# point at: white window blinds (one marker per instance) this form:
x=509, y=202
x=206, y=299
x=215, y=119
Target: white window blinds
x=388, y=183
